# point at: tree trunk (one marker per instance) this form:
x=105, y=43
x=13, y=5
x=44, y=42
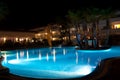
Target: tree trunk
x=93, y=35
x=108, y=31
x=97, y=33
x=78, y=35
x=69, y=35
x=49, y=36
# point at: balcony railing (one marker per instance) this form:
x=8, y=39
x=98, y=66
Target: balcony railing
x=115, y=31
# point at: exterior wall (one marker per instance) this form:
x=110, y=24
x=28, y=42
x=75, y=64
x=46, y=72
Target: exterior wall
x=54, y=32
x=114, y=28
x=16, y=36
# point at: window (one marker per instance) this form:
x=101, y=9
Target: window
x=116, y=26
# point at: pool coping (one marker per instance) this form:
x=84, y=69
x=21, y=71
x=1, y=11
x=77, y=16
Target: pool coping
x=97, y=48
x=103, y=70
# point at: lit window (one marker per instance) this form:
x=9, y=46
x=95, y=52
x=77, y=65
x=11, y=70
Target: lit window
x=39, y=34
x=16, y=39
x=116, y=26
x=54, y=39
x=21, y=39
x=53, y=32
x=32, y=41
x=4, y=39
x=46, y=33
x=27, y=39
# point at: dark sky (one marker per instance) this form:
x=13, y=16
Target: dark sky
x=27, y=14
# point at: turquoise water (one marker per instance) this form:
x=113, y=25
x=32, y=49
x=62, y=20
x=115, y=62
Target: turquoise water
x=56, y=62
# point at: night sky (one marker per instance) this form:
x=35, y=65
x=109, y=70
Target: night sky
x=28, y=14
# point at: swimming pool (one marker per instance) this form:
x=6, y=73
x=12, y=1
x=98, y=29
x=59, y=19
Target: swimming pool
x=56, y=62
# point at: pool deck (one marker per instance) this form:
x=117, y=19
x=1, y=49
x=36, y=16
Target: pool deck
x=108, y=69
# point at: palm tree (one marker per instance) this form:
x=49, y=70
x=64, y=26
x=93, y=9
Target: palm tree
x=48, y=35
x=85, y=16
x=74, y=20
x=65, y=29
x=92, y=15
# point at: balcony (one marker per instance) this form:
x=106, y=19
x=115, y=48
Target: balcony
x=115, y=32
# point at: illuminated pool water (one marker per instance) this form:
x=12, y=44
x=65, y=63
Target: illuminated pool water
x=55, y=63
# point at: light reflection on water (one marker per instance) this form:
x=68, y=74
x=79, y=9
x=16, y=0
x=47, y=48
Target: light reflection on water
x=66, y=62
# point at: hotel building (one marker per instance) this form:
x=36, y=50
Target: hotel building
x=54, y=32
